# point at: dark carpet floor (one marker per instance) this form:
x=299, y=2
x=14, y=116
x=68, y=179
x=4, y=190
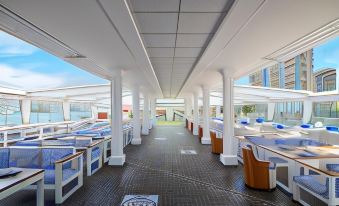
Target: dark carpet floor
x=158, y=167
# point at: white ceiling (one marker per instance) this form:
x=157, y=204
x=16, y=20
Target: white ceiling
x=255, y=29
x=168, y=47
x=175, y=34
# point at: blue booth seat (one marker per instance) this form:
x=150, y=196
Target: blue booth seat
x=311, y=182
x=61, y=165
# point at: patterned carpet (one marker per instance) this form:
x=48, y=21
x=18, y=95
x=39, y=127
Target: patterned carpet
x=158, y=167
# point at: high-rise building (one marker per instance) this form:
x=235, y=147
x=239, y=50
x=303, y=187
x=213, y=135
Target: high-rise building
x=324, y=80
x=295, y=73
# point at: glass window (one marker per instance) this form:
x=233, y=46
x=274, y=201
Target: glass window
x=289, y=113
x=80, y=111
x=43, y=111
x=10, y=112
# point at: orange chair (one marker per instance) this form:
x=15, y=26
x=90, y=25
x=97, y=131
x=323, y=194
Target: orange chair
x=258, y=174
x=217, y=144
x=192, y=127
x=200, y=133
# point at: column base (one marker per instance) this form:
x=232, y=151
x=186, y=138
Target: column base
x=136, y=141
x=145, y=133
x=117, y=160
x=205, y=140
x=229, y=159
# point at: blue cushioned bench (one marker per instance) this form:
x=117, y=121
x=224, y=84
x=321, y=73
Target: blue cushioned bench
x=63, y=166
x=93, y=150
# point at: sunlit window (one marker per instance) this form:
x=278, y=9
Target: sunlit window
x=10, y=113
x=80, y=111
x=43, y=111
x=289, y=113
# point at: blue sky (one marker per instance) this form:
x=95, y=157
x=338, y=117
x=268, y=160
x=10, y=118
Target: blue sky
x=28, y=67
x=324, y=55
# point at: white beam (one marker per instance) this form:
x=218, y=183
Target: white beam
x=26, y=110
x=117, y=153
x=145, y=122
x=206, y=138
x=228, y=157
x=136, y=116
x=195, y=114
x=307, y=113
x=270, y=111
x=153, y=112
x=66, y=107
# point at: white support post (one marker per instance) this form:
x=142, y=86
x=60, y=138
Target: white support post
x=153, y=113
x=228, y=157
x=26, y=110
x=206, y=138
x=195, y=115
x=66, y=107
x=136, y=116
x=94, y=110
x=307, y=113
x=117, y=154
x=270, y=111
x=145, y=119
x=217, y=111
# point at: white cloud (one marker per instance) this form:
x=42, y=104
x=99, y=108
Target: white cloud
x=12, y=46
x=28, y=79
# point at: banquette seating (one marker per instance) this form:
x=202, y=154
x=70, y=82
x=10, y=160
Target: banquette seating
x=63, y=166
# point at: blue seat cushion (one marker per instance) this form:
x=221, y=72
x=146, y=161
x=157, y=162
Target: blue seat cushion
x=51, y=155
x=259, y=120
x=95, y=152
x=50, y=175
x=306, y=126
x=4, y=157
x=332, y=128
x=277, y=160
x=310, y=182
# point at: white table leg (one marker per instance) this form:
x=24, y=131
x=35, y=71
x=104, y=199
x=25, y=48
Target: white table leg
x=40, y=199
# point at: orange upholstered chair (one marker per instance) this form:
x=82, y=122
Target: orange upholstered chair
x=216, y=143
x=200, y=133
x=258, y=174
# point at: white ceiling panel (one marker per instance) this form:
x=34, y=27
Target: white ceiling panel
x=161, y=60
x=203, y=5
x=187, y=52
x=197, y=22
x=155, y=5
x=192, y=40
x=157, y=22
x=184, y=60
x=160, y=52
x=159, y=40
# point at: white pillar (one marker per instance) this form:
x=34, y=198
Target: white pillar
x=66, y=107
x=117, y=154
x=206, y=138
x=136, y=116
x=195, y=114
x=153, y=113
x=145, y=119
x=307, y=113
x=270, y=111
x=217, y=111
x=228, y=157
x=26, y=110
x=94, y=110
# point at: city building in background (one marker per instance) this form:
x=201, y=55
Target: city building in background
x=295, y=73
x=324, y=80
